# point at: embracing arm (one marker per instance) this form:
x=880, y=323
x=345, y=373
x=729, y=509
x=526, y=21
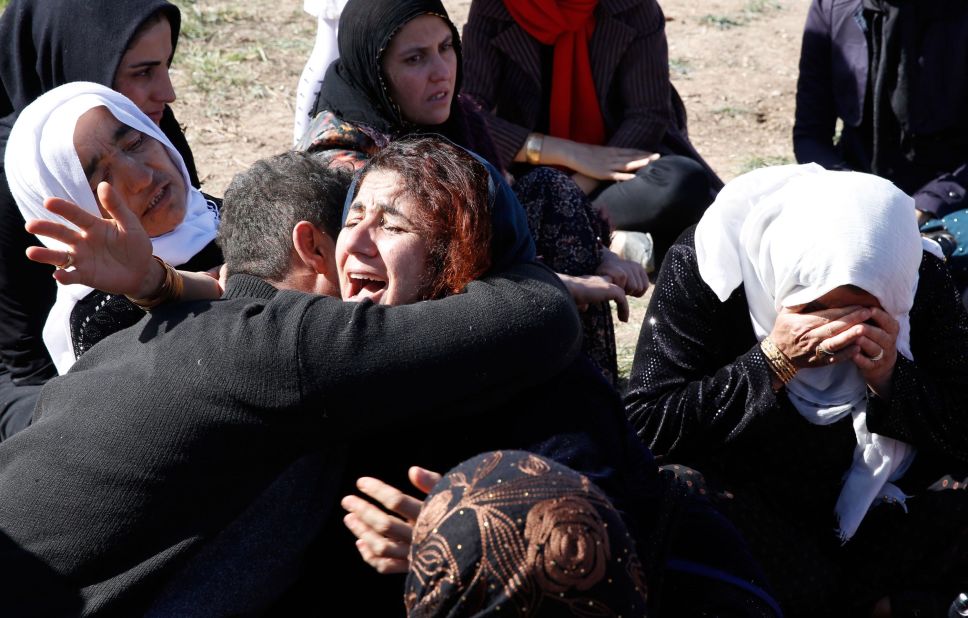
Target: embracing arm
x=372, y=364
x=816, y=114
x=698, y=378
x=927, y=401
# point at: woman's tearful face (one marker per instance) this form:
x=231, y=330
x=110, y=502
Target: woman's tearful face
x=379, y=253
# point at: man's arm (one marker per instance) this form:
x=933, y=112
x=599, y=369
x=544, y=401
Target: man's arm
x=372, y=364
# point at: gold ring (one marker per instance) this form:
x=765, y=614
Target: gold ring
x=878, y=356
x=68, y=263
x=822, y=351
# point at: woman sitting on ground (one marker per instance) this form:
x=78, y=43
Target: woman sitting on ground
x=808, y=355
x=64, y=145
x=127, y=46
x=399, y=72
x=585, y=86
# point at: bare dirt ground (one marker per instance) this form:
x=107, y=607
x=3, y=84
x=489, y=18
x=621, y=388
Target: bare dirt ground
x=734, y=63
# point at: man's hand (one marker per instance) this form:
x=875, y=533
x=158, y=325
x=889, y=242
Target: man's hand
x=383, y=539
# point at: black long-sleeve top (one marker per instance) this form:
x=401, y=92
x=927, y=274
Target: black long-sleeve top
x=700, y=389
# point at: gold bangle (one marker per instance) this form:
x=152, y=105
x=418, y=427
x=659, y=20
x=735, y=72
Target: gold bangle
x=781, y=364
x=532, y=148
x=171, y=288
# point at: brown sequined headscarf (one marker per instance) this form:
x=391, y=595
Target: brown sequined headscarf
x=514, y=533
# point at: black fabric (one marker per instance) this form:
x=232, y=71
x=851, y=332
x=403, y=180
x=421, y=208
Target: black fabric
x=700, y=394
x=354, y=87
x=100, y=314
x=44, y=44
x=161, y=439
x=664, y=198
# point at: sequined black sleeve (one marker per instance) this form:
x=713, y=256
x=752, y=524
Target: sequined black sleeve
x=928, y=395
x=698, y=377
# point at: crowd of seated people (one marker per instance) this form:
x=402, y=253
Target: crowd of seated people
x=212, y=409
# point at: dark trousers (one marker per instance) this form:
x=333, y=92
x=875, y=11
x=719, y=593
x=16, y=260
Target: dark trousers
x=664, y=198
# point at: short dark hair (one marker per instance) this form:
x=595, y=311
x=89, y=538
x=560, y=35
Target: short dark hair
x=264, y=203
x=451, y=192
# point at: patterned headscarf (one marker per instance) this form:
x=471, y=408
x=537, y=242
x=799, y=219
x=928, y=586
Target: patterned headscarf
x=518, y=534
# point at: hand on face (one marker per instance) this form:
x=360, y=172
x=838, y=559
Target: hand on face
x=844, y=325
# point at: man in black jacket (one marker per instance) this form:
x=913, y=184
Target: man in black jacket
x=200, y=450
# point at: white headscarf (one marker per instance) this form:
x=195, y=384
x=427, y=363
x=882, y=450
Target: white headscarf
x=791, y=234
x=41, y=162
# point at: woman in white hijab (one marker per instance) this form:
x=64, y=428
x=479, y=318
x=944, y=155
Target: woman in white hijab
x=806, y=350
x=96, y=151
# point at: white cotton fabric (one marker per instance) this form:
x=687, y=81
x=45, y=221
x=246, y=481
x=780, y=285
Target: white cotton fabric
x=789, y=235
x=41, y=162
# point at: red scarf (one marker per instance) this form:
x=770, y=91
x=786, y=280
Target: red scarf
x=568, y=25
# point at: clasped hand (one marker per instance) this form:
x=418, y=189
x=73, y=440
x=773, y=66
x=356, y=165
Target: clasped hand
x=864, y=336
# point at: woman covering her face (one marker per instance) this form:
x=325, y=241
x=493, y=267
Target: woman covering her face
x=399, y=72
x=44, y=44
x=807, y=352
x=67, y=143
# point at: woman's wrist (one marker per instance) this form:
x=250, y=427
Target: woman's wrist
x=780, y=364
x=158, y=291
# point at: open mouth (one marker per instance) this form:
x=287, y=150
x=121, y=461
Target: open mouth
x=159, y=197
x=365, y=286
x=440, y=96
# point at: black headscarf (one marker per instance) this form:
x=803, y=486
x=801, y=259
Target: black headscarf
x=355, y=90
x=48, y=43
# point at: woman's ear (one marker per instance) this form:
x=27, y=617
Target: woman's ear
x=314, y=248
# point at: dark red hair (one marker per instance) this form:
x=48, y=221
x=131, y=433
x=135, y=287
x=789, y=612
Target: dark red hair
x=449, y=189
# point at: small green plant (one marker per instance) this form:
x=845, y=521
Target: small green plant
x=756, y=162
x=723, y=22
x=762, y=6
x=680, y=67
x=730, y=111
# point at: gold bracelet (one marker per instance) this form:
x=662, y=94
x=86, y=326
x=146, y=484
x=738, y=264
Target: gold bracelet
x=532, y=148
x=780, y=363
x=171, y=288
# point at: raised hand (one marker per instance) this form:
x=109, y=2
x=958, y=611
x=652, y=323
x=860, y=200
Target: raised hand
x=384, y=539
x=112, y=255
